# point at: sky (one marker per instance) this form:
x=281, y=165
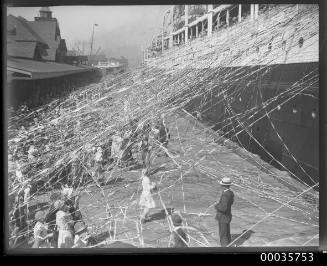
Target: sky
x=121, y=30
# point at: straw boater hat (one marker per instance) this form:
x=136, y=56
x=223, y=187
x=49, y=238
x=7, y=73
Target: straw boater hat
x=79, y=227
x=39, y=215
x=225, y=181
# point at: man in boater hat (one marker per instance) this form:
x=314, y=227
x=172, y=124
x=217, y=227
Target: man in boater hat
x=224, y=214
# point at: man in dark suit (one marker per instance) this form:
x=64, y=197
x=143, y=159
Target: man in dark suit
x=224, y=214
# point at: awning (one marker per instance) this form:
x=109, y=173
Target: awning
x=41, y=70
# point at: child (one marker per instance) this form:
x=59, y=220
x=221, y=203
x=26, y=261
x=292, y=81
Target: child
x=67, y=191
x=64, y=222
x=146, y=201
x=41, y=235
x=82, y=237
x=145, y=145
x=98, y=158
x=179, y=237
x=50, y=219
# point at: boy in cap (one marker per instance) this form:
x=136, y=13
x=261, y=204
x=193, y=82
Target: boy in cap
x=179, y=237
x=41, y=235
x=224, y=213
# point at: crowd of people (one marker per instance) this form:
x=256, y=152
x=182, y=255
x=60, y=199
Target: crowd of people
x=62, y=226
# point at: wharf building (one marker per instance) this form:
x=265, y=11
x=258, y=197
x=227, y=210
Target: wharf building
x=36, y=61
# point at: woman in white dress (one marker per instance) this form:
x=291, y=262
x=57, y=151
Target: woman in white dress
x=146, y=201
x=65, y=223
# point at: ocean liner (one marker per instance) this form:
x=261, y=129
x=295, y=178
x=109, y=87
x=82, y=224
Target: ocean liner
x=263, y=63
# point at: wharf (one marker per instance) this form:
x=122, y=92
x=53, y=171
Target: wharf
x=270, y=207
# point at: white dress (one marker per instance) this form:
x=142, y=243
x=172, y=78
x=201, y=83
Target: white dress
x=146, y=199
x=115, y=147
x=27, y=194
x=65, y=237
x=67, y=191
x=98, y=156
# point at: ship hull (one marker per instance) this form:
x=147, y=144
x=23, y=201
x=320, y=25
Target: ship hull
x=283, y=130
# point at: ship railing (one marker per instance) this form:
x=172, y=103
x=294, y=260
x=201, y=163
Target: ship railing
x=268, y=50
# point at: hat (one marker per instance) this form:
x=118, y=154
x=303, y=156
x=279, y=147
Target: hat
x=58, y=204
x=39, y=215
x=79, y=227
x=176, y=218
x=225, y=181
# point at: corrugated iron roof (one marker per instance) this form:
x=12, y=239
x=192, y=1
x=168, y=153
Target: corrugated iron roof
x=41, y=70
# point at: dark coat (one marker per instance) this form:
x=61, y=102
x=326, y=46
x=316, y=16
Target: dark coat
x=163, y=133
x=223, y=207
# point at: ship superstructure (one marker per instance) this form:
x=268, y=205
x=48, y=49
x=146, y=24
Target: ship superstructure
x=263, y=60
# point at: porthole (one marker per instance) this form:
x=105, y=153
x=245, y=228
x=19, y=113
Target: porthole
x=301, y=41
x=314, y=114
